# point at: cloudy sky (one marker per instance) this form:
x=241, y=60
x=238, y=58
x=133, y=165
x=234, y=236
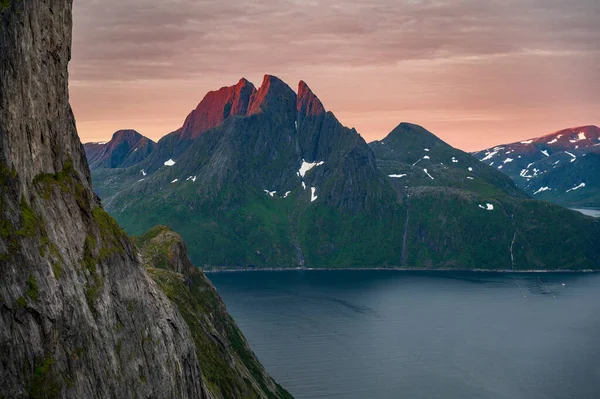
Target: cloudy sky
x=474, y=72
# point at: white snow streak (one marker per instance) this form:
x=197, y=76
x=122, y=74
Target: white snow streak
x=271, y=193
x=427, y=173
x=313, y=197
x=582, y=185
x=541, y=190
x=170, y=162
x=396, y=176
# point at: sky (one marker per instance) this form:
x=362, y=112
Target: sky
x=476, y=73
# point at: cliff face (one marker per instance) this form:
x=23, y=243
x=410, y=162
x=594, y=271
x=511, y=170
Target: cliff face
x=79, y=314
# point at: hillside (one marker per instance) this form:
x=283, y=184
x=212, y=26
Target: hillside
x=282, y=183
x=80, y=315
x=562, y=167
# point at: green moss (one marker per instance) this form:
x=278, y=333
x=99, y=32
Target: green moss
x=94, y=281
x=4, y=5
x=30, y=220
x=57, y=269
x=67, y=180
x=32, y=288
x=110, y=232
x=45, y=383
x=22, y=302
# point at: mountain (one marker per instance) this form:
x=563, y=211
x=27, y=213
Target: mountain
x=260, y=189
x=126, y=148
x=284, y=184
x=83, y=312
x=563, y=167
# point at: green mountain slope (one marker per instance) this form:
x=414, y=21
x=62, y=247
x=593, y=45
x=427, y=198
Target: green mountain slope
x=287, y=185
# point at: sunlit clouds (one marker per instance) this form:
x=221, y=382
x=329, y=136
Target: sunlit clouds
x=474, y=72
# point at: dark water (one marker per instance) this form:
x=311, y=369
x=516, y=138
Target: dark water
x=378, y=334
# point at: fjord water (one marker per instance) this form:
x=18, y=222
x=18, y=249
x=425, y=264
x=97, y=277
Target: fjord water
x=392, y=334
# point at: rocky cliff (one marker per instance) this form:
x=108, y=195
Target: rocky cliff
x=79, y=314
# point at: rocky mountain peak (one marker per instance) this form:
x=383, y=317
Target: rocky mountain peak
x=128, y=135
x=274, y=95
x=308, y=103
x=217, y=106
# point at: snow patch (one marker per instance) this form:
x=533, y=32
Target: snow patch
x=306, y=166
x=572, y=155
x=271, y=193
x=175, y=181
x=287, y=192
x=135, y=150
x=313, y=197
x=524, y=174
x=143, y=172
x=454, y=160
x=527, y=142
x=470, y=178
x=192, y=178
x=487, y=207
x=582, y=185
x=580, y=137
x=170, y=162
x=427, y=173
x=507, y=160
x=426, y=157
x=489, y=155
x=545, y=152
x=470, y=169
x=541, y=190
x=303, y=185
x=397, y=176
x=426, y=149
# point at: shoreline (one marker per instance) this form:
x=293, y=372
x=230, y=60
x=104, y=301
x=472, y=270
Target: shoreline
x=398, y=269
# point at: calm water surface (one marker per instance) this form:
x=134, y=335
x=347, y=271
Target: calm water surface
x=379, y=334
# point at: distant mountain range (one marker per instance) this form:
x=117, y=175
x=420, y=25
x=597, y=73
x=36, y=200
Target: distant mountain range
x=126, y=148
x=267, y=178
x=562, y=167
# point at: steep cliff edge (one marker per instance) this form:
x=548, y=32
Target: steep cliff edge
x=79, y=314
x=228, y=364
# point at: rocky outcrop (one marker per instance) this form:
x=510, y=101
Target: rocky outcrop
x=228, y=364
x=79, y=314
